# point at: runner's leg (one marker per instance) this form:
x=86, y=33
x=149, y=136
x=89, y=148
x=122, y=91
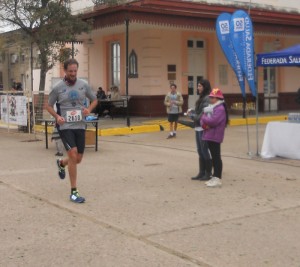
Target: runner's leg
x=75, y=156
x=72, y=166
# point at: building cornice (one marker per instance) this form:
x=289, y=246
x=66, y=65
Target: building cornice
x=189, y=15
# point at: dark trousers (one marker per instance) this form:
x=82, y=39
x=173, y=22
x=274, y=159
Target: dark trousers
x=202, y=147
x=101, y=107
x=215, y=151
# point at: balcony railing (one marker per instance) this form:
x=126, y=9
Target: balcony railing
x=106, y=2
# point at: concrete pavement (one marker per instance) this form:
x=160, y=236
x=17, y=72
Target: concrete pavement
x=142, y=208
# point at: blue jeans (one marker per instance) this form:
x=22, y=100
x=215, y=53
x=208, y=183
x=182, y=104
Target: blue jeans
x=202, y=146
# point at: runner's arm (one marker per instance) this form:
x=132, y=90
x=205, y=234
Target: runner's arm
x=51, y=110
x=91, y=107
x=93, y=100
x=60, y=120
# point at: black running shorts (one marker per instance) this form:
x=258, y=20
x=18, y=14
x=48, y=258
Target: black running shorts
x=173, y=117
x=73, y=138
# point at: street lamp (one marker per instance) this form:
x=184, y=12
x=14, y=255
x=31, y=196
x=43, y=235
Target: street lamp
x=127, y=70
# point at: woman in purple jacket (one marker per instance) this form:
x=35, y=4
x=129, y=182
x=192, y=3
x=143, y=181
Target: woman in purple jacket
x=214, y=121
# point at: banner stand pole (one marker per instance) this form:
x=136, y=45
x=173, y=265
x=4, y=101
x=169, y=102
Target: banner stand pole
x=256, y=108
x=244, y=107
x=247, y=124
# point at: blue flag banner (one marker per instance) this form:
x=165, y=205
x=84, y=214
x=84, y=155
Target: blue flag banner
x=241, y=33
x=223, y=34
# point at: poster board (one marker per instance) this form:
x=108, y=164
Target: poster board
x=14, y=109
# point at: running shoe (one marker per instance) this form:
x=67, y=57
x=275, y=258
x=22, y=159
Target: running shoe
x=61, y=170
x=170, y=136
x=210, y=180
x=214, y=182
x=76, y=198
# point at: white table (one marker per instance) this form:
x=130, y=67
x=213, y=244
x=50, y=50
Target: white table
x=281, y=139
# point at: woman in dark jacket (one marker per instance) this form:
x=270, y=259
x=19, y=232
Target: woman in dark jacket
x=205, y=163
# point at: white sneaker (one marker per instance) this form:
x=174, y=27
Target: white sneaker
x=210, y=180
x=214, y=182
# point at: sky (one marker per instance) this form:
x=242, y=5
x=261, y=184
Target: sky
x=2, y=27
x=286, y=4
x=289, y=5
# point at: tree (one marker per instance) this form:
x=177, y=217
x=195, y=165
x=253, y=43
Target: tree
x=49, y=24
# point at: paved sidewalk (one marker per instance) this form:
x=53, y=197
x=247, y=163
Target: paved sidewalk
x=142, y=208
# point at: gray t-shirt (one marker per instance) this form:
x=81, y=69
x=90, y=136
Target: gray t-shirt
x=174, y=109
x=71, y=101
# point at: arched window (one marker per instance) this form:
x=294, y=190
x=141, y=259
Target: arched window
x=133, y=65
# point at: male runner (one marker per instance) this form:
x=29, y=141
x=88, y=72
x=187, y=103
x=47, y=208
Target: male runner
x=70, y=95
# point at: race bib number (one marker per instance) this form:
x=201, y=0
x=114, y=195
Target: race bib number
x=74, y=115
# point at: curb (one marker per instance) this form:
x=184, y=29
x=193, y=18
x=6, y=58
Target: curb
x=252, y=121
x=130, y=130
x=115, y=131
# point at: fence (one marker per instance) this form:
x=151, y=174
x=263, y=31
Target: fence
x=40, y=98
x=22, y=111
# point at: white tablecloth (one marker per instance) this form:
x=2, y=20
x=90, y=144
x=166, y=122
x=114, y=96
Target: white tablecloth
x=281, y=139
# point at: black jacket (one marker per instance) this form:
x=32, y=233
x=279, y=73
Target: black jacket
x=200, y=105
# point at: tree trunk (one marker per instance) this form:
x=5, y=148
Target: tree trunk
x=41, y=96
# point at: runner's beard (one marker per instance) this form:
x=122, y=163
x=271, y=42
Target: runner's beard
x=70, y=80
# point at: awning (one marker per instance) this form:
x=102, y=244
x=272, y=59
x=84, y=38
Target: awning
x=286, y=57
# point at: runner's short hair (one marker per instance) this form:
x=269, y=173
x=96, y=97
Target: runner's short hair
x=70, y=61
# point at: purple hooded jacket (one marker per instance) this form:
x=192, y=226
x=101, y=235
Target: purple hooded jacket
x=216, y=124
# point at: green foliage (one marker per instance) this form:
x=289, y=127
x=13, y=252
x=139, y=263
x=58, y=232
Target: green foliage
x=47, y=23
x=64, y=54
